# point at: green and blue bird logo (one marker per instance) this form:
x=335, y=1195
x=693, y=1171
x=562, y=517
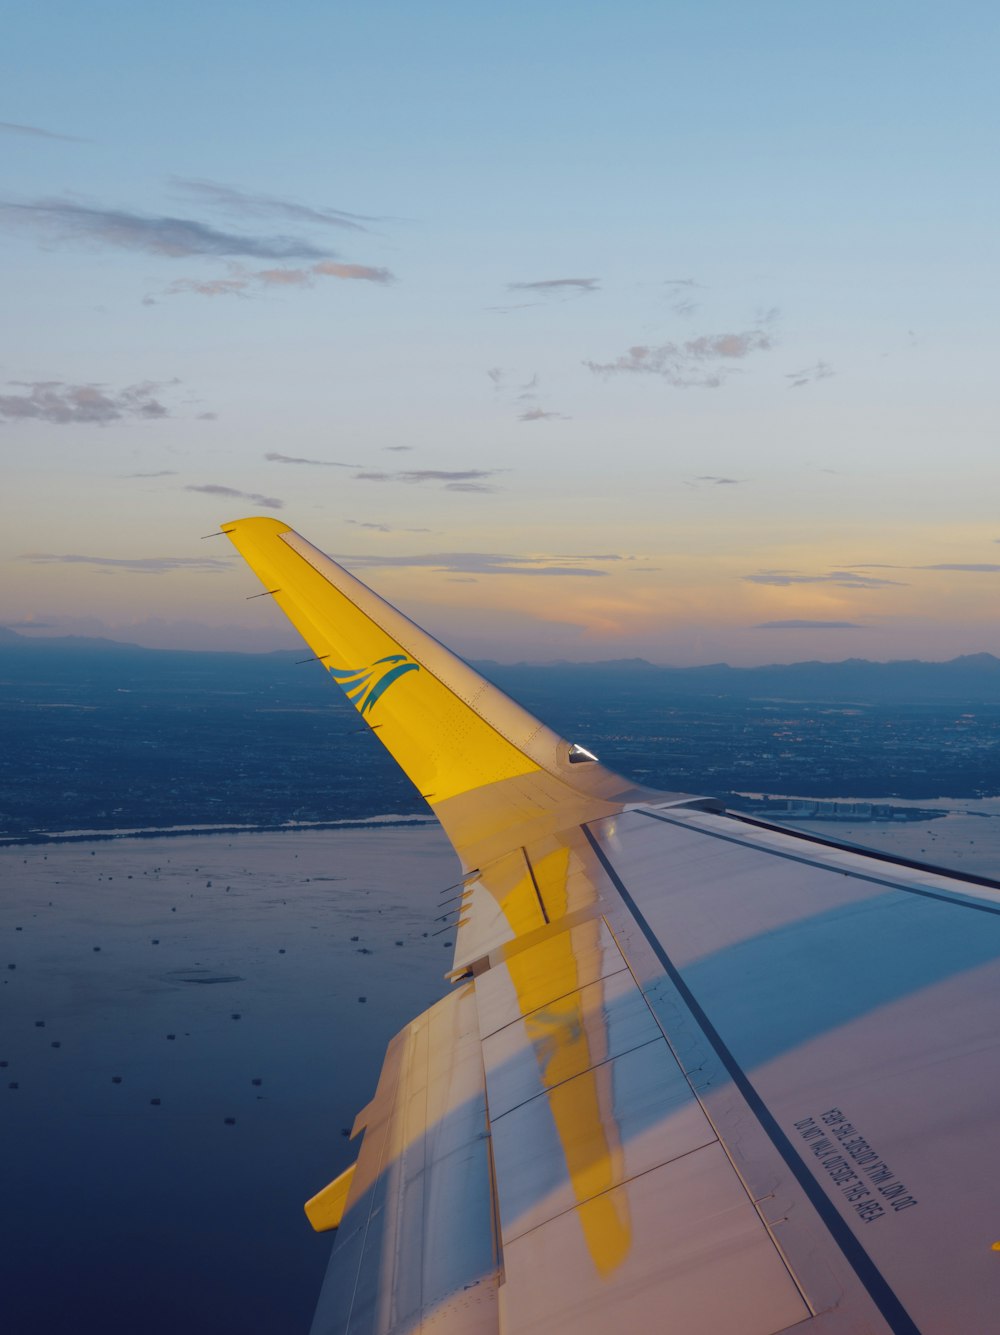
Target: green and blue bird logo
x=366, y=686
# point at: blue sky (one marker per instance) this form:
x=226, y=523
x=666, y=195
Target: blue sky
x=662, y=329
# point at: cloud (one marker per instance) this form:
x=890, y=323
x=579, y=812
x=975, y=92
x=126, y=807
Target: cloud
x=364, y=272
x=482, y=563
x=384, y=528
x=64, y=220
x=163, y=472
x=273, y=457
x=537, y=415
x=250, y=205
x=11, y=127
x=809, y=375
x=719, y=481
x=980, y=569
x=210, y=287
x=845, y=579
x=466, y=479
x=138, y=565
x=61, y=403
x=969, y=567
x=398, y=449
x=578, y=285
x=213, y=489
x=242, y=281
x=810, y=625
x=685, y=364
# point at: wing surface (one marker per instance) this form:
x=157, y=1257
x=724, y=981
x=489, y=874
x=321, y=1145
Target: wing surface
x=696, y=1074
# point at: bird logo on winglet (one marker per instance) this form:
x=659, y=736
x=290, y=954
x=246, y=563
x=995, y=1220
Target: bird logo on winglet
x=366, y=686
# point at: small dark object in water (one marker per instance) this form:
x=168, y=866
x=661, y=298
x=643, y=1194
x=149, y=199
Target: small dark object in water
x=18, y=929
x=96, y=949
x=156, y=940
x=116, y=1079
x=56, y=1043
x=399, y=943
x=256, y=1080
x=155, y=1102
x=11, y=966
x=229, y=1121
x=345, y=1132
x=3, y=1063
x=171, y=1037
x=362, y=999
x=39, y=1024
x=363, y=950
x=237, y=1015
x=173, y=910
x=281, y=950
x=13, y=1085
x=355, y=938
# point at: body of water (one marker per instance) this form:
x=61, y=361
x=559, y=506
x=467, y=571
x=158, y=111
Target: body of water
x=187, y=1027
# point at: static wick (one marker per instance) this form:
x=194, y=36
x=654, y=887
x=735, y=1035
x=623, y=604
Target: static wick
x=266, y=594
x=319, y=657
x=219, y=533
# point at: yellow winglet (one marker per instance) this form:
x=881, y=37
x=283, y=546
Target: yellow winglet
x=326, y=1209
x=492, y=773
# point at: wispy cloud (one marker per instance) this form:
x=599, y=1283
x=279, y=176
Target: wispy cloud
x=398, y=449
x=136, y=565
x=384, y=528
x=809, y=375
x=548, y=290
x=176, y=238
x=545, y=285
x=61, y=403
x=364, y=272
x=36, y=132
x=704, y=361
x=482, y=563
x=228, y=198
x=163, y=472
x=273, y=457
x=967, y=567
x=716, y=481
x=214, y=489
x=242, y=281
x=846, y=579
x=464, y=479
x=973, y=569
x=520, y=392
x=810, y=625
x=538, y=415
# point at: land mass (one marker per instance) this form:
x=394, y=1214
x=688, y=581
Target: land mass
x=101, y=735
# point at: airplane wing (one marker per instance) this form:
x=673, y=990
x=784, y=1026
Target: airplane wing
x=694, y=1074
